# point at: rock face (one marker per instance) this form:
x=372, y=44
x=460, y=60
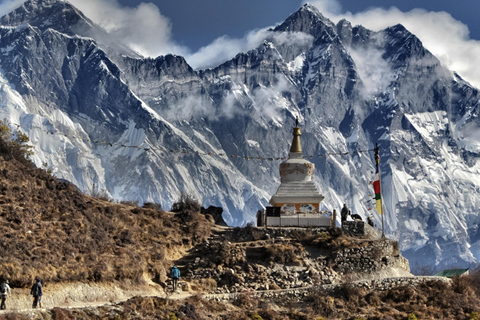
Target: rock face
x=105, y=118
x=242, y=259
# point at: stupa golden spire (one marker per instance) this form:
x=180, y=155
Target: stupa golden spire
x=296, y=143
x=297, y=192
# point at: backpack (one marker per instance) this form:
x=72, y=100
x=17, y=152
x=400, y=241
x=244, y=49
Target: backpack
x=35, y=290
x=3, y=288
x=175, y=273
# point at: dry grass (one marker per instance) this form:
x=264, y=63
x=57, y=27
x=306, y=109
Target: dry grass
x=431, y=300
x=49, y=229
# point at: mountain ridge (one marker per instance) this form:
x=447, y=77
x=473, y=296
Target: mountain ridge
x=350, y=88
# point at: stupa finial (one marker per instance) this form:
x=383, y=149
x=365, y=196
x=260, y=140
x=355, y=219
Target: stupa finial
x=296, y=144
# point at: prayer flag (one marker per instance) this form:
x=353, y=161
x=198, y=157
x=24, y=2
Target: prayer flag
x=378, y=195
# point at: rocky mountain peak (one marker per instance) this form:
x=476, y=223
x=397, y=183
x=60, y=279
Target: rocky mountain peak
x=403, y=44
x=44, y=14
x=307, y=19
x=149, y=129
x=63, y=17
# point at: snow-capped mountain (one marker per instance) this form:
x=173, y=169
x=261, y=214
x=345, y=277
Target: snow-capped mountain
x=147, y=129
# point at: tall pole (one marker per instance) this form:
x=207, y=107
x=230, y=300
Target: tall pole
x=377, y=163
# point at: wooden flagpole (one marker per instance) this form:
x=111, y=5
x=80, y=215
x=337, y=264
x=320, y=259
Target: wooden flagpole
x=377, y=163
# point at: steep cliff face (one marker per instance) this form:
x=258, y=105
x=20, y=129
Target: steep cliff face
x=147, y=129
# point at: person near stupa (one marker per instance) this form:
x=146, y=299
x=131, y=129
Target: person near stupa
x=344, y=213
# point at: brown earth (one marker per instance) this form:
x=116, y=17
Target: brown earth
x=91, y=251
x=49, y=229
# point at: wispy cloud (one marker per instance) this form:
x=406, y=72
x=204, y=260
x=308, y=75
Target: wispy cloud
x=266, y=102
x=148, y=32
x=143, y=27
x=7, y=6
x=224, y=48
x=448, y=39
x=374, y=71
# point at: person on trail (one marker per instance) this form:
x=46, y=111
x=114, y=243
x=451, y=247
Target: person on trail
x=37, y=293
x=4, y=291
x=175, y=274
x=344, y=213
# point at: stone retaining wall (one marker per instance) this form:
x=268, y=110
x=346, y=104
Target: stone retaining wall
x=379, y=284
x=369, y=257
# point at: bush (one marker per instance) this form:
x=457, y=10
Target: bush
x=280, y=253
x=461, y=285
x=473, y=315
x=186, y=203
x=411, y=316
x=14, y=144
x=256, y=316
x=152, y=205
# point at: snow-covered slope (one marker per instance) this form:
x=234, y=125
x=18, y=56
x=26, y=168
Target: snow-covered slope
x=147, y=129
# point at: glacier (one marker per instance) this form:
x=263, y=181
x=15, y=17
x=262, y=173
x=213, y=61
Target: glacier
x=147, y=129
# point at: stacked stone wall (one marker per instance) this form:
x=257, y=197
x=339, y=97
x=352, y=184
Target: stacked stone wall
x=371, y=256
x=379, y=284
x=354, y=228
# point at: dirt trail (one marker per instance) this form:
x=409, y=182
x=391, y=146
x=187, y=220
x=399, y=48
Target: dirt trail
x=77, y=294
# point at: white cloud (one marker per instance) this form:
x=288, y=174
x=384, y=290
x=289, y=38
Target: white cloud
x=448, y=39
x=148, y=32
x=374, y=71
x=7, y=6
x=225, y=48
x=143, y=28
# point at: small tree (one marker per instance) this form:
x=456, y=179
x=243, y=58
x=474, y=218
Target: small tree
x=14, y=144
x=186, y=203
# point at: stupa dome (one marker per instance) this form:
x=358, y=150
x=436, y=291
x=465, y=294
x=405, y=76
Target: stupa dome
x=297, y=192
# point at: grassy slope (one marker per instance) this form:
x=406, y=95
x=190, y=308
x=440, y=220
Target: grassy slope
x=51, y=230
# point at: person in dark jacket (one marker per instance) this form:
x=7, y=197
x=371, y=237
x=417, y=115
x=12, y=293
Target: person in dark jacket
x=175, y=274
x=37, y=293
x=344, y=213
x=4, y=291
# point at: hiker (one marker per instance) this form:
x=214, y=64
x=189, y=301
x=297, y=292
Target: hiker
x=37, y=293
x=344, y=213
x=175, y=274
x=260, y=218
x=4, y=291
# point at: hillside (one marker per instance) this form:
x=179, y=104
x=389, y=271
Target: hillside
x=49, y=229
x=110, y=260
x=147, y=129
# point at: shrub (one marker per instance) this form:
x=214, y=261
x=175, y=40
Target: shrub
x=256, y=316
x=461, y=285
x=280, y=253
x=186, y=203
x=321, y=302
x=412, y=316
x=130, y=203
x=474, y=315
x=423, y=270
x=152, y=205
x=474, y=278
x=172, y=316
x=95, y=192
x=246, y=300
x=14, y=144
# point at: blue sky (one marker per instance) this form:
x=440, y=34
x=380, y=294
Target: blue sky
x=209, y=32
x=196, y=23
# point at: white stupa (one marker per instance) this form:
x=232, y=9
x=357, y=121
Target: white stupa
x=297, y=192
